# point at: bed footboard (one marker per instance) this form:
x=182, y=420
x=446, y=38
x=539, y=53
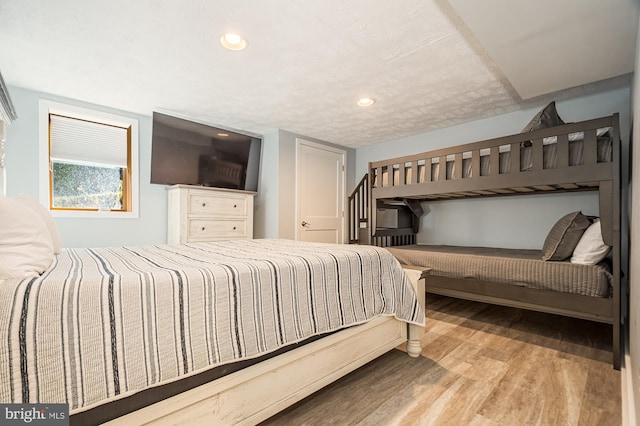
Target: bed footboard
x=254, y=394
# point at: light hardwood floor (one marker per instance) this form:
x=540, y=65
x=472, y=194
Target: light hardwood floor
x=481, y=365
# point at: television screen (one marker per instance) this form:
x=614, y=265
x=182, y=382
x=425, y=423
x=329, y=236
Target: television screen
x=186, y=152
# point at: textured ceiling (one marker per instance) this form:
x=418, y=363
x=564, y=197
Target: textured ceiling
x=307, y=62
x=573, y=42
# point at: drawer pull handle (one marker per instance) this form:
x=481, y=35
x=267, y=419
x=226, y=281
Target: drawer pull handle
x=235, y=206
x=203, y=228
x=234, y=228
x=204, y=204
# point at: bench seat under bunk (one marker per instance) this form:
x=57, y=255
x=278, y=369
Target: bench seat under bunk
x=512, y=271
x=582, y=156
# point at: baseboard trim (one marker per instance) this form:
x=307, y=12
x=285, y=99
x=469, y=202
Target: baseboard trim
x=629, y=416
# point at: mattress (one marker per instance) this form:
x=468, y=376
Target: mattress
x=102, y=324
x=521, y=267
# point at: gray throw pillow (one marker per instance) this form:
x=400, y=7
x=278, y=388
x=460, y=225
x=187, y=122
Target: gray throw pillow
x=547, y=117
x=564, y=236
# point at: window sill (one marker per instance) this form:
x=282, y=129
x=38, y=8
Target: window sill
x=100, y=214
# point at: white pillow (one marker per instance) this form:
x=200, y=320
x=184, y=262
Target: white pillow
x=46, y=217
x=591, y=249
x=26, y=249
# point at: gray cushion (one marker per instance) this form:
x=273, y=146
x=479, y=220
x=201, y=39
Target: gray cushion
x=547, y=117
x=564, y=236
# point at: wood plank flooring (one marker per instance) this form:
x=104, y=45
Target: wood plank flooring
x=481, y=365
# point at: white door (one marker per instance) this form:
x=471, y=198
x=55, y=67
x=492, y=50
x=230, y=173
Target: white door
x=320, y=192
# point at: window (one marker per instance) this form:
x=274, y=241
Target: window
x=88, y=162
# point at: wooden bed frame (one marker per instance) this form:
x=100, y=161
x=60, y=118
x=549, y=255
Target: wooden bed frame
x=256, y=393
x=603, y=177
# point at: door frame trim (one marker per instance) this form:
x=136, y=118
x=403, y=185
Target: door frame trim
x=343, y=193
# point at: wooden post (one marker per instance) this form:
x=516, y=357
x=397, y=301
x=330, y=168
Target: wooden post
x=537, y=153
x=590, y=151
x=562, y=151
x=417, y=277
x=475, y=163
x=494, y=161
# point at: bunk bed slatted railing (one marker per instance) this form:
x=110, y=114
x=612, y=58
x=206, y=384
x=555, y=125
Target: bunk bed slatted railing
x=583, y=176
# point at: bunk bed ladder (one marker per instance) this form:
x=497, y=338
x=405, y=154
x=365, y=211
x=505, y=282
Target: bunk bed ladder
x=359, y=211
x=360, y=223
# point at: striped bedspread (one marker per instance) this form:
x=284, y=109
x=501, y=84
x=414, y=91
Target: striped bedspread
x=104, y=323
x=521, y=267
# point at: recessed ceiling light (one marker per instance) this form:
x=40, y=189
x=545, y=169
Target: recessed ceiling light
x=233, y=41
x=365, y=102
x=224, y=135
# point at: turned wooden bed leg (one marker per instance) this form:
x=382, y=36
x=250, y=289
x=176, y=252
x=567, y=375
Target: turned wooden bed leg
x=416, y=332
x=414, y=342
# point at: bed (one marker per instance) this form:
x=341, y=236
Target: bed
x=548, y=156
x=269, y=321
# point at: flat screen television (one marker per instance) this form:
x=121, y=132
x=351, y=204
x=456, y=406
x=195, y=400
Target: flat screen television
x=190, y=153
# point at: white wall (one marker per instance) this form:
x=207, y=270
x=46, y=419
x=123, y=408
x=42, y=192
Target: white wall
x=265, y=224
x=632, y=387
x=23, y=175
x=510, y=222
x=3, y=134
x=274, y=207
x=280, y=162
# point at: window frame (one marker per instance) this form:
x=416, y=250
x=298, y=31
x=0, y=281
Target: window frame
x=131, y=198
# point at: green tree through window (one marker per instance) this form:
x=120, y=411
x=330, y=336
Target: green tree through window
x=80, y=186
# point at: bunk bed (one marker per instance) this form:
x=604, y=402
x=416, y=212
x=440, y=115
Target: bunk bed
x=582, y=156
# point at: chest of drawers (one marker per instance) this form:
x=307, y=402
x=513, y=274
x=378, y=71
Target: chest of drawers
x=198, y=214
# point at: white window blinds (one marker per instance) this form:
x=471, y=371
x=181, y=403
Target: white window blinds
x=88, y=143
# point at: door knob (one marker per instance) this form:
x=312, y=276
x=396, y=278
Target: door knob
x=305, y=223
